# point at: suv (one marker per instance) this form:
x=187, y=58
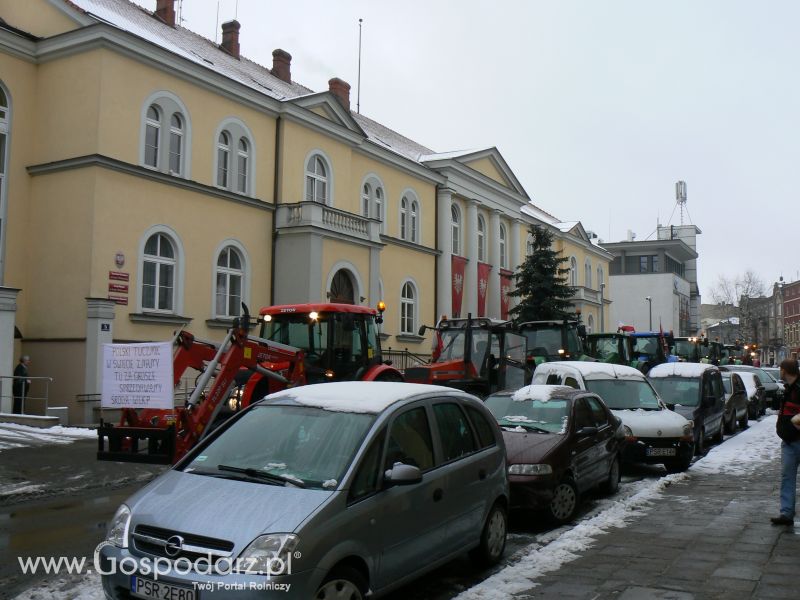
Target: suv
x=696, y=391
x=653, y=433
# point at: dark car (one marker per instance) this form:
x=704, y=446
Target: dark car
x=736, y=412
x=560, y=443
x=773, y=391
x=695, y=391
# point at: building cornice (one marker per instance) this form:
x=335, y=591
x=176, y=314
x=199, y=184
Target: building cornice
x=467, y=181
x=105, y=162
x=389, y=240
x=17, y=45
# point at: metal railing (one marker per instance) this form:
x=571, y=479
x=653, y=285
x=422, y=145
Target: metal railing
x=41, y=398
x=403, y=359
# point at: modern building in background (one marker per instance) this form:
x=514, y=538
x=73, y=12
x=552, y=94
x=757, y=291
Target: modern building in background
x=153, y=179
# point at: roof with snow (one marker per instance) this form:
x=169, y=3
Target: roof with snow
x=679, y=369
x=590, y=370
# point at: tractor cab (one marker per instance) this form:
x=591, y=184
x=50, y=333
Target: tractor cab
x=480, y=356
x=340, y=341
x=614, y=348
x=690, y=349
x=553, y=340
x=651, y=348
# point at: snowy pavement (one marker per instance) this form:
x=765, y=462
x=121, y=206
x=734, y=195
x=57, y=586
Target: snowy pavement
x=741, y=456
x=21, y=436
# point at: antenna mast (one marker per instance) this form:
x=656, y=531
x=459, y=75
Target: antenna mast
x=358, y=96
x=680, y=196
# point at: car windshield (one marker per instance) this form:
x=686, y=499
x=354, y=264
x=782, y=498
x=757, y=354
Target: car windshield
x=310, y=445
x=624, y=394
x=452, y=342
x=543, y=342
x=774, y=373
x=678, y=390
x=549, y=416
x=296, y=329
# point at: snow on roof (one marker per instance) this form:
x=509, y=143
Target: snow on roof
x=542, y=393
x=750, y=381
x=370, y=397
x=566, y=226
x=678, y=369
x=728, y=321
x=537, y=213
x=452, y=154
x=595, y=370
x=383, y=136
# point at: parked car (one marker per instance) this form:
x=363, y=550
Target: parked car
x=773, y=391
x=653, y=433
x=560, y=443
x=337, y=489
x=756, y=397
x=736, y=405
x=775, y=373
x=694, y=390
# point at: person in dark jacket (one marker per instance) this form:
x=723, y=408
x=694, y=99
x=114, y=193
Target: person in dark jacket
x=19, y=388
x=790, y=441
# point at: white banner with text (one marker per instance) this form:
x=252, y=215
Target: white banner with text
x=137, y=376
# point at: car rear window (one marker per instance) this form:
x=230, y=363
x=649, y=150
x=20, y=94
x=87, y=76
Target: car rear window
x=482, y=427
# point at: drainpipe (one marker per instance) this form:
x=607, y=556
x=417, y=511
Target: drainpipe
x=276, y=190
x=436, y=261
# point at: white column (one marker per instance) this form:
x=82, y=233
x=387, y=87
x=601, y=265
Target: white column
x=493, y=293
x=374, y=276
x=99, y=331
x=471, y=274
x=8, y=310
x=514, y=260
x=444, y=296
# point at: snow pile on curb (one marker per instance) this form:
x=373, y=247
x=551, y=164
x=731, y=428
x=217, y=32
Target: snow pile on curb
x=83, y=587
x=19, y=436
x=745, y=453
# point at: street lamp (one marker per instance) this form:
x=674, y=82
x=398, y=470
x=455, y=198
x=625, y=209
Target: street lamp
x=602, y=312
x=650, y=307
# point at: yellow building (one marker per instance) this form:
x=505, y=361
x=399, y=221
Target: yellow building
x=152, y=179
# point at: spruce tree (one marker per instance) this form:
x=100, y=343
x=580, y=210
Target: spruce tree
x=541, y=282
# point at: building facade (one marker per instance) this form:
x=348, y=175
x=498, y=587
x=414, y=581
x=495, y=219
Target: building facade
x=154, y=180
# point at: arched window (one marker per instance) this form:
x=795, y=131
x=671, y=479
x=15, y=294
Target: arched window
x=158, y=274
x=590, y=324
x=529, y=245
x=175, y=143
x=503, y=257
x=229, y=277
x=587, y=273
x=316, y=180
x=165, y=142
x=366, y=200
x=481, y=239
x=243, y=155
x=408, y=309
x=573, y=271
x=600, y=280
x=151, y=136
x=223, y=158
x=414, y=221
x=403, y=218
x=455, y=219
x=380, y=212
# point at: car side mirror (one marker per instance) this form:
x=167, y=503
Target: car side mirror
x=586, y=431
x=402, y=474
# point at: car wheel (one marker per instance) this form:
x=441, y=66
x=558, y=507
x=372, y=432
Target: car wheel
x=343, y=583
x=744, y=420
x=611, y=485
x=493, y=537
x=752, y=410
x=700, y=443
x=564, y=505
x=720, y=436
x=679, y=465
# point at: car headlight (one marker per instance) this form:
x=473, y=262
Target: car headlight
x=628, y=431
x=118, y=529
x=688, y=432
x=269, y=554
x=530, y=469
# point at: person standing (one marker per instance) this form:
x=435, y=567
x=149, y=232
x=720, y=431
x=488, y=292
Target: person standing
x=790, y=441
x=21, y=383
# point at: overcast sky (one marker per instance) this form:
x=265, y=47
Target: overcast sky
x=598, y=107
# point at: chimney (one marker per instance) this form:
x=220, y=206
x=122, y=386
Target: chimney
x=165, y=10
x=340, y=89
x=230, y=38
x=282, y=65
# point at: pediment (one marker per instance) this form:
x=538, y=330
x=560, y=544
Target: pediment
x=488, y=162
x=325, y=105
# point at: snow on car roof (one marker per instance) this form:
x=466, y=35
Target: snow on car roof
x=596, y=370
x=679, y=370
x=371, y=397
x=749, y=380
x=542, y=393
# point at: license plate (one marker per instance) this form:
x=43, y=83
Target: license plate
x=148, y=588
x=660, y=452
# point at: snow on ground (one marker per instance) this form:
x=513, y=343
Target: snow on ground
x=75, y=587
x=20, y=436
x=742, y=454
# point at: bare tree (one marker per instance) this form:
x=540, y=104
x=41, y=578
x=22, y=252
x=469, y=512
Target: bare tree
x=733, y=290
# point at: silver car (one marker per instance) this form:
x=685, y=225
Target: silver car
x=323, y=491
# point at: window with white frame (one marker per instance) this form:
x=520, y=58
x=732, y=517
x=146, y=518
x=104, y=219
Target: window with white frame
x=503, y=257
x=455, y=219
x=380, y=208
x=366, y=199
x=165, y=140
x=481, y=239
x=403, y=218
x=413, y=223
x=158, y=274
x=590, y=324
x=408, y=309
x=573, y=271
x=223, y=158
x=587, y=273
x=317, y=179
x=229, y=276
x=600, y=280
x=242, y=165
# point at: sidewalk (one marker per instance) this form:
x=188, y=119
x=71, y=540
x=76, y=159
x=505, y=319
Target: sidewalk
x=705, y=535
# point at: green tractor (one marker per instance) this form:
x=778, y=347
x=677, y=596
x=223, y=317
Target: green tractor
x=553, y=340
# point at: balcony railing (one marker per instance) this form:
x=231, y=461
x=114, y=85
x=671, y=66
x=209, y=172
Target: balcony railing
x=587, y=295
x=316, y=215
